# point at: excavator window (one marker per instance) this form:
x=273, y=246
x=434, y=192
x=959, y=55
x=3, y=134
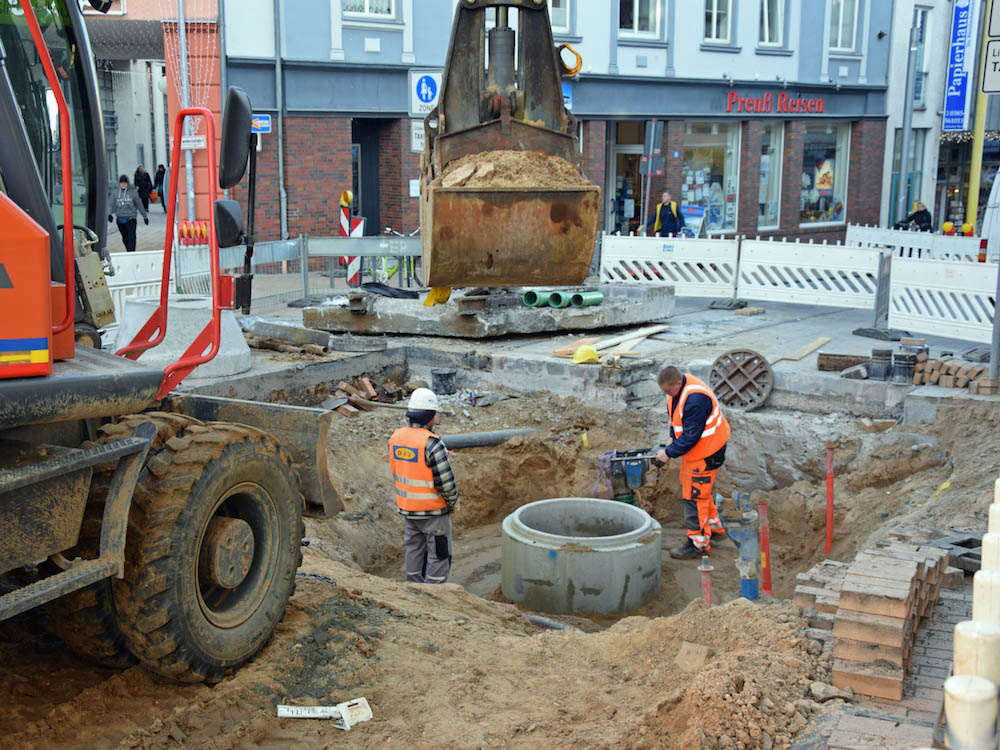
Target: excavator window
x=37, y=104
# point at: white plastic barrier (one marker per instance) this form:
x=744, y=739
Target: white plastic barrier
x=943, y=298
x=695, y=268
x=908, y=244
x=807, y=273
x=138, y=273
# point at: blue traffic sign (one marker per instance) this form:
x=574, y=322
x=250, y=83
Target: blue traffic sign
x=426, y=89
x=260, y=124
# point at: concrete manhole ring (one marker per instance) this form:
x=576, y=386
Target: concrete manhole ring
x=581, y=554
x=741, y=378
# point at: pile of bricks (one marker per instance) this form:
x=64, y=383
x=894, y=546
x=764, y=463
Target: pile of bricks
x=884, y=593
x=817, y=595
x=954, y=373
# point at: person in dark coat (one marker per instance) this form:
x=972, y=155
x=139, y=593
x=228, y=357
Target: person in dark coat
x=921, y=217
x=143, y=185
x=126, y=205
x=159, y=182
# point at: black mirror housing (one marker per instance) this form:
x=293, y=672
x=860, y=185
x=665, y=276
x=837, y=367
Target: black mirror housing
x=228, y=223
x=101, y=6
x=236, y=128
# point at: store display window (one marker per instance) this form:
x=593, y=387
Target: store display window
x=769, y=199
x=824, y=173
x=711, y=176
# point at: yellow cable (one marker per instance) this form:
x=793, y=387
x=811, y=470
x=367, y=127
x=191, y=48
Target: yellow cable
x=567, y=71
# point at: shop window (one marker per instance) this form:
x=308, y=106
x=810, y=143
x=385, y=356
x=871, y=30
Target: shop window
x=711, y=176
x=824, y=173
x=920, y=16
x=375, y=8
x=770, y=22
x=638, y=18
x=559, y=16
x=629, y=184
x=769, y=211
x=914, y=182
x=843, y=16
x=717, y=21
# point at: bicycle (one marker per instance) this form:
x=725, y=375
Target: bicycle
x=385, y=267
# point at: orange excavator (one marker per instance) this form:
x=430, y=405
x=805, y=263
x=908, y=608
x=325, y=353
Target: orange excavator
x=154, y=526
x=503, y=236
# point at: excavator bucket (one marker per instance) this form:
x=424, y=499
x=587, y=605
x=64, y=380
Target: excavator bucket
x=490, y=233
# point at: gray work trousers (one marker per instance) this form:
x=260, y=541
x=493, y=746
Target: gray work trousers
x=427, y=542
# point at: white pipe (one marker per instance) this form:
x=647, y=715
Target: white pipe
x=986, y=596
x=185, y=103
x=970, y=703
x=279, y=95
x=977, y=650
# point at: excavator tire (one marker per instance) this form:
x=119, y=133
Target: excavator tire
x=216, y=498
x=87, y=620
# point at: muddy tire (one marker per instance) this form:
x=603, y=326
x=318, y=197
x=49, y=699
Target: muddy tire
x=213, y=545
x=86, y=335
x=87, y=620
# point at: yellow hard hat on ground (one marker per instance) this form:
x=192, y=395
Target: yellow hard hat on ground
x=585, y=354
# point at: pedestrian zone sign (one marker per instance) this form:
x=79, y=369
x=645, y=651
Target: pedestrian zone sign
x=425, y=86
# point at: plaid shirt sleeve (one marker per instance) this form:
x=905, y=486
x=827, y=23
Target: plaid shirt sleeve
x=436, y=456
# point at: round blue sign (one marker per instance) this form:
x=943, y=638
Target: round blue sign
x=426, y=89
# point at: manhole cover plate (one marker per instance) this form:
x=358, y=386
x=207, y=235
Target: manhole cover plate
x=741, y=378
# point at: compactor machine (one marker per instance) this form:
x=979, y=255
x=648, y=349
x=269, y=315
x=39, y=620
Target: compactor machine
x=503, y=236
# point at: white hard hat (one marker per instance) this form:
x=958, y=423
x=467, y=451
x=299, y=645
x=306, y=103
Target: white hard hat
x=423, y=399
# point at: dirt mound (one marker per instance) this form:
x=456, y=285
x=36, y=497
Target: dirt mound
x=511, y=169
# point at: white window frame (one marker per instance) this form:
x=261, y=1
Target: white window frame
x=563, y=29
x=367, y=14
x=656, y=6
x=712, y=7
x=838, y=24
x=779, y=6
x=921, y=82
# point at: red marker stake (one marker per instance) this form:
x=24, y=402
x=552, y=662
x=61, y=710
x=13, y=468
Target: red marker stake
x=829, y=498
x=706, y=579
x=765, y=550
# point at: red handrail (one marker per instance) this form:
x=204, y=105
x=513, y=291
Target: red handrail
x=206, y=345
x=67, y=164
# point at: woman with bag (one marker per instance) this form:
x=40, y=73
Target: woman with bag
x=125, y=207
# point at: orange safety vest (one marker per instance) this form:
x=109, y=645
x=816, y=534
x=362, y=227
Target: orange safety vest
x=659, y=222
x=415, y=490
x=716, y=431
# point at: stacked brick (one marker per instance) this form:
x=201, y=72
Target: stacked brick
x=817, y=595
x=953, y=373
x=884, y=593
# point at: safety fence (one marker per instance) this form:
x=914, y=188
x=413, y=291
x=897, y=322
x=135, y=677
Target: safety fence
x=921, y=294
x=906, y=244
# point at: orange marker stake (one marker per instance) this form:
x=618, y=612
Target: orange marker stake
x=765, y=550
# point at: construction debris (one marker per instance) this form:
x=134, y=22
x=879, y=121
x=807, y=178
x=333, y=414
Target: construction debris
x=829, y=362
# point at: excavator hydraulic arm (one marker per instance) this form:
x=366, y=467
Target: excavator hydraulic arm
x=503, y=236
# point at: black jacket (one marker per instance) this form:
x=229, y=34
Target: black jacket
x=158, y=180
x=143, y=185
x=669, y=224
x=922, y=219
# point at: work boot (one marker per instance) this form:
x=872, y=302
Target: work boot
x=686, y=551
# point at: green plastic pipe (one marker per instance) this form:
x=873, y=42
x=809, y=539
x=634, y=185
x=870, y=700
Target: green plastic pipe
x=536, y=299
x=586, y=299
x=559, y=299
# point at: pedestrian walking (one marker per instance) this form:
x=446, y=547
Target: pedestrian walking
x=125, y=207
x=143, y=185
x=666, y=220
x=699, y=433
x=426, y=494
x=160, y=185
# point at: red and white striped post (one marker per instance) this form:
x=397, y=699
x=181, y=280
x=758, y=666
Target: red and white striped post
x=353, y=261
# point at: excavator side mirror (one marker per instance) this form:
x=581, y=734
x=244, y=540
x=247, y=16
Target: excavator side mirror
x=236, y=128
x=101, y=6
x=228, y=223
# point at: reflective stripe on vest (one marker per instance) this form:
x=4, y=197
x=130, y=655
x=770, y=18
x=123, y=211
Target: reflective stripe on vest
x=716, y=431
x=415, y=490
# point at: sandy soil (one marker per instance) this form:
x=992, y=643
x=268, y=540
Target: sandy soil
x=521, y=169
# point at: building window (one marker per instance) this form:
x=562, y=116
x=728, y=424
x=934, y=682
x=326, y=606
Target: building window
x=920, y=16
x=638, y=17
x=717, y=21
x=559, y=15
x=914, y=182
x=770, y=22
x=843, y=14
x=711, y=175
x=769, y=210
x=824, y=173
x=373, y=8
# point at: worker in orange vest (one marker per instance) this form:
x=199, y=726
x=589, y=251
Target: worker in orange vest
x=699, y=432
x=426, y=494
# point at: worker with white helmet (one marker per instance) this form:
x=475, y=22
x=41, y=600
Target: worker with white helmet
x=426, y=493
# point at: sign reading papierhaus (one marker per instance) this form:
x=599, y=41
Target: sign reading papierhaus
x=779, y=103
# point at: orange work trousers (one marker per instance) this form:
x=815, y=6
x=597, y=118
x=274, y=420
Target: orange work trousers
x=700, y=514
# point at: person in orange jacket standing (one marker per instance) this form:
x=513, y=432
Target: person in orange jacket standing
x=699, y=433
x=426, y=493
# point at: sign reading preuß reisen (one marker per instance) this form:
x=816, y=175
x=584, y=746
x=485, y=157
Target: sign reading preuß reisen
x=780, y=103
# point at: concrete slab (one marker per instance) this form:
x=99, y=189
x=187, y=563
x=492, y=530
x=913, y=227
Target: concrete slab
x=501, y=314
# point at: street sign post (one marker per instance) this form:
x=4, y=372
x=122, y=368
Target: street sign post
x=425, y=85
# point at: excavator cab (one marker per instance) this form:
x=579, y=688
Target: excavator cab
x=488, y=233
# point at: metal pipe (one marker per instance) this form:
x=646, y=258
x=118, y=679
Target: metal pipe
x=586, y=299
x=223, y=77
x=279, y=102
x=706, y=579
x=185, y=103
x=481, y=439
x=978, y=129
x=904, y=144
x=502, y=18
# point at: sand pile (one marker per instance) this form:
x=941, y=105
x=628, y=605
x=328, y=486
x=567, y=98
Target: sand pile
x=511, y=169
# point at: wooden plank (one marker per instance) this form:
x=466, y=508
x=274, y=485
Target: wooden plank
x=567, y=350
x=829, y=362
x=639, y=332
x=802, y=351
